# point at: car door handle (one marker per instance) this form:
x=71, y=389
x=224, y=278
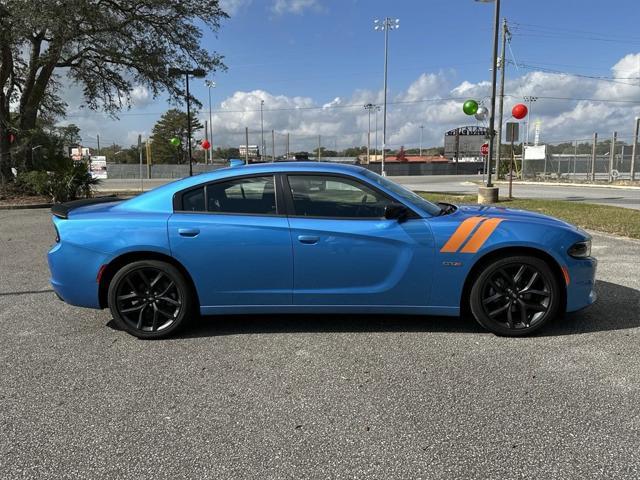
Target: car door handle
x=188, y=232
x=308, y=239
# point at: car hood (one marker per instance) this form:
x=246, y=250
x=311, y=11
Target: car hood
x=516, y=215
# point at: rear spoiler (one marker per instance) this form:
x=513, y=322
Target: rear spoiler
x=61, y=210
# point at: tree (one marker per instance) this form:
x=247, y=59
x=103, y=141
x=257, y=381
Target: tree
x=109, y=47
x=173, y=123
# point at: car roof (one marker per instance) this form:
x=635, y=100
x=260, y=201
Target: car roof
x=160, y=198
x=288, y=166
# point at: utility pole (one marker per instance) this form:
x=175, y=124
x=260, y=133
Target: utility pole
x=287, y=149
x=98, y=138
x=612, y=153
x=386, y=25
x=319, y=147
x=421, y=131
x=273, y=146
x=634, y=150
x=529, y=99
x=206, y=137
x=492, y=119
x=377, y=109
x=457, y=147
x=505, y=32
x=593, y=157
x=140, y=155
x=246, y=145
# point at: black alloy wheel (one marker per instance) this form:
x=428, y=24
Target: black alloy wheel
x=150, y=299
x=515, y=296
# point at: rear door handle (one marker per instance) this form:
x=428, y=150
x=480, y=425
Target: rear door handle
x=308, y=239
x=188, y=232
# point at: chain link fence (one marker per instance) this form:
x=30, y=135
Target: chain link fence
x=578, y=160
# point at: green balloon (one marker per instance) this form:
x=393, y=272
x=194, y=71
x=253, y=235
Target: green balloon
x=470, y=107
x=175, y=141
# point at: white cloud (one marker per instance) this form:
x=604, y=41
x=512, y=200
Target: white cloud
x=232, y=7
x=141, y=96
x=433, y=99
x=295, y=6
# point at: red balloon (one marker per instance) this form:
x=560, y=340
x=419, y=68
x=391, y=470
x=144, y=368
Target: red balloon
x=205, y=144
x=519, y=111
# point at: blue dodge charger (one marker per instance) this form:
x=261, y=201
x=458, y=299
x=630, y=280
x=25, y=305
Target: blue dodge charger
x=313, y=238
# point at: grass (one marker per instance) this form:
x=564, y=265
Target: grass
x=603, y=218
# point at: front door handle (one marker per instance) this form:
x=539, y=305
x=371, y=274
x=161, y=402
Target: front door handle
x=188, y=232
x=308, y=239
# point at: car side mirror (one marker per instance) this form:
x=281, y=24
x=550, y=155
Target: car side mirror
x=395, y=211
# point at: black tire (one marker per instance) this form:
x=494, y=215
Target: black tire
x=150, y=299
x=515, y=296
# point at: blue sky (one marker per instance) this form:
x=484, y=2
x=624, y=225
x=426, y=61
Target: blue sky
x=293, y=53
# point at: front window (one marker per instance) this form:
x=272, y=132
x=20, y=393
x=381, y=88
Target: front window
x=403, y=193
x=335, y=197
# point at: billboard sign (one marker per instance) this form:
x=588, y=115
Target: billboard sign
x=98, y=166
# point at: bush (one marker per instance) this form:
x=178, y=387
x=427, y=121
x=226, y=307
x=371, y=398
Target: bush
x=70, y=182
x=32, y=183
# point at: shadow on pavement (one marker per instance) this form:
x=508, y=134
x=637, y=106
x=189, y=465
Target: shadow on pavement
x=617, y=308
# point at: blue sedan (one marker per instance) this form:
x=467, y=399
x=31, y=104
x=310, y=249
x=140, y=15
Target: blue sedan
x=313, y=238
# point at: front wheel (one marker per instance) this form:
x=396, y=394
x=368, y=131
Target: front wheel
x=515, y=296
x=150, y=299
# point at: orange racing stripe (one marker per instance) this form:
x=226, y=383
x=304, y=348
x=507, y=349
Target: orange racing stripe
x=482, y=234
x=460, y=235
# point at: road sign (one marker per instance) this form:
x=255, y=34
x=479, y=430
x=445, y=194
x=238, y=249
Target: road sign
x=512, y=131
x=484, y=149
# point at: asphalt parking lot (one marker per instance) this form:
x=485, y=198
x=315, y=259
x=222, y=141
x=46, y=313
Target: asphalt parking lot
x=313, y=397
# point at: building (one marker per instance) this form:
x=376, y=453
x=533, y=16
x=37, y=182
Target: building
x=464, y=143
x=254, y=152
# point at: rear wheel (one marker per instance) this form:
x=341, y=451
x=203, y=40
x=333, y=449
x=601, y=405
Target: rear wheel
x=150, y=299
x=515, y=296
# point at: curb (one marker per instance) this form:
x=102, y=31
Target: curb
x=559, y=184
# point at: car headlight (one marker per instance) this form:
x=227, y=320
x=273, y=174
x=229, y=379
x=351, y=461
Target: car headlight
x=580, y=249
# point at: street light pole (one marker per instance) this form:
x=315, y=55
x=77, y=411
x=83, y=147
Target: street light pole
x=188, y=128
x=197, y=73
x=386, y=25
x=210, y=84
x=421, y=131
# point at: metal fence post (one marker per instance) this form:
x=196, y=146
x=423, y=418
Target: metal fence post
x=612, y=153
x=593, y=157
x=632, y=172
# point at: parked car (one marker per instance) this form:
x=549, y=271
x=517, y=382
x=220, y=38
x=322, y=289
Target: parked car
x=313, y=238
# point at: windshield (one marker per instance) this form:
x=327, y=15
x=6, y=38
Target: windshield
x=403, y=193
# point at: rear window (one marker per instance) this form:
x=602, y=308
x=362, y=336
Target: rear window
x=252, y=195
x=193, y=200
